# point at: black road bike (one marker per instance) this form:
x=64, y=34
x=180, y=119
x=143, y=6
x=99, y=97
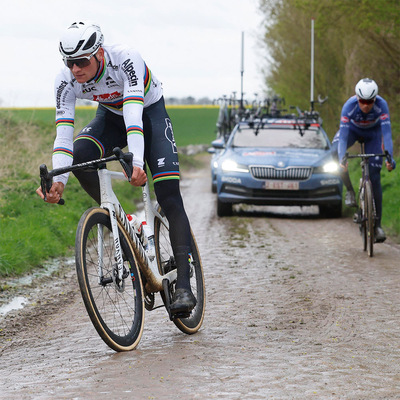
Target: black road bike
x=366, y=211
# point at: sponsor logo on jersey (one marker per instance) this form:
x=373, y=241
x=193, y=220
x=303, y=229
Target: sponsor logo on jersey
x=88, y=89
x=110, y=82
x=110, y=65
x=127, y=67
x=86, y=129
x=384, y=116
x=106, y=96
x=344, y=119
x=169, y=134
x=161, y=162
x=60, y=89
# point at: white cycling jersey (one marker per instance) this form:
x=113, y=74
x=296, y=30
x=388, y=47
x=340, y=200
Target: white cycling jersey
x=123, y=84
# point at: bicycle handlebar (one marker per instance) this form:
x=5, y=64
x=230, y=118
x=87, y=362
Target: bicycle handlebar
x=366, y=156
x=46, y=176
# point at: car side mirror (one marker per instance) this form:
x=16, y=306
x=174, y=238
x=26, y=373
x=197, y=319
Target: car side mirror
x=218, y=144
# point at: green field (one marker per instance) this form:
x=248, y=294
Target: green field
x=32, y=232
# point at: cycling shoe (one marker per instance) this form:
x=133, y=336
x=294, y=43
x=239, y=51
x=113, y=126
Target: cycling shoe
x=380, y=235
x=183, y=302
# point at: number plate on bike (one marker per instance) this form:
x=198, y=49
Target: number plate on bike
x=281, y=185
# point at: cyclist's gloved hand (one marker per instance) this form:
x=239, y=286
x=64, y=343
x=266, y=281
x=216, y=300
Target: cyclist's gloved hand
x=343, y=166
x=391, y=166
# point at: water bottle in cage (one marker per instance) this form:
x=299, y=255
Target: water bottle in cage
x=135, y=223
x=148, y=241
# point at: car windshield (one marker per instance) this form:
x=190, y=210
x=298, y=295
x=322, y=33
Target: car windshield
x=279, y=137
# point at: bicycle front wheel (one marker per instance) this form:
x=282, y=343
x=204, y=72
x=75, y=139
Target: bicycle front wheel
x=362, y=216
x=166, y=262
x=369, y=218
x=116, y=309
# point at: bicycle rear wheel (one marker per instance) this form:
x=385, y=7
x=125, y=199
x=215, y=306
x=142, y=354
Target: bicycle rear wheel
x=166, y=262
x=369, y=217
x=116, y=311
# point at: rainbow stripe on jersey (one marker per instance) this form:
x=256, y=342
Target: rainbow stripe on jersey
x=163, y=176
x=65, y=122
x=92, y=139
x=146, y=79
x=114, y=105
x=101, y=71
x=64, y=151
x=134, y=130
x=134, y=100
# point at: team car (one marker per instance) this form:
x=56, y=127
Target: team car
x=284, y=160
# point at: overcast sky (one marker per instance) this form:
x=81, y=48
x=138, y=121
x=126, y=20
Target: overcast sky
x=193, y=47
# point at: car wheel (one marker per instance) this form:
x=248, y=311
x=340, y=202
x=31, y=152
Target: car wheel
x=213, y=188
x=224, y=209
x=331, y=211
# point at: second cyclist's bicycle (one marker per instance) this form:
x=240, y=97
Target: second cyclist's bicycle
x=118, y=274
x=366, y=212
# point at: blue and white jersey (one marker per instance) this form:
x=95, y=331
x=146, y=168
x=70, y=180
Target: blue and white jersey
x=374, y=125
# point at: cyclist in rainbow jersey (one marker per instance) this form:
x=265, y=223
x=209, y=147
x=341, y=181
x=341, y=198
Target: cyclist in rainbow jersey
x=131, y=112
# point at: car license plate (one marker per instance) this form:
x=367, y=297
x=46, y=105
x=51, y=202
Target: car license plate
x=281, y=185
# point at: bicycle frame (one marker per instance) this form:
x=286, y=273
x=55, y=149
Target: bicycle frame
x=110, y=202
x=366, y=214
x=364, y=178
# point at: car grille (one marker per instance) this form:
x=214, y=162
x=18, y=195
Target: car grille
x=270, y=195
x=291, y=173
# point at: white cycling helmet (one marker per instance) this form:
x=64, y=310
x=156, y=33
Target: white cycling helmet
x=81, y=38
x=366, y=89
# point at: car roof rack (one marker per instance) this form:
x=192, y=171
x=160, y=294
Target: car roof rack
x=232, y=111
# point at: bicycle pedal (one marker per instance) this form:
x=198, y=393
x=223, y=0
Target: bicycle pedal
x=181, y=315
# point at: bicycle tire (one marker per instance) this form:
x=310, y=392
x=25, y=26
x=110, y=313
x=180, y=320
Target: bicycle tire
x=116, y=313
x=369, y=205
x=166, y=262
x=362, y=214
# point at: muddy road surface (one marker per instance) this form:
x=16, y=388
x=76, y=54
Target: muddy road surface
x=295, y=310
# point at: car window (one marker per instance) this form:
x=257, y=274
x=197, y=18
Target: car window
x=279, y=137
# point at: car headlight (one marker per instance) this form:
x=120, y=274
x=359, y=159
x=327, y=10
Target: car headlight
x=331, y=167
x=233, y=166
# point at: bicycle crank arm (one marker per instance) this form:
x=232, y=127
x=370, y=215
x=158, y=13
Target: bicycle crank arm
x=167, y=296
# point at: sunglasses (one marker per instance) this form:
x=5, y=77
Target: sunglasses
x=363, y=101
x=80, y=62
